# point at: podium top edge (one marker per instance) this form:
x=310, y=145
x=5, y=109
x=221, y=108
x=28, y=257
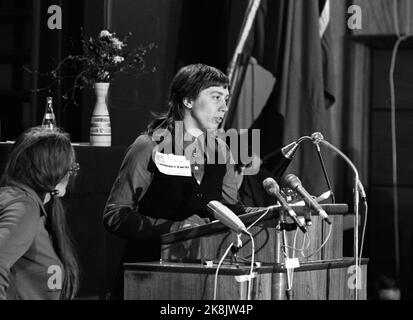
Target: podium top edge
x=248, y=218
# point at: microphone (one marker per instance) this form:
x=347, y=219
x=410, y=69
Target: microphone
x=273, y=189
x=277, y=162
x=227, y=217
x=294, y=183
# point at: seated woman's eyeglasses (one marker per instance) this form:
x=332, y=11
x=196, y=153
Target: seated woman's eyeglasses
x=74, y=169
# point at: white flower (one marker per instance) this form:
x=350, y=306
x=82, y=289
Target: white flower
x=105, y=33
x=118, y=59
x=117, y=43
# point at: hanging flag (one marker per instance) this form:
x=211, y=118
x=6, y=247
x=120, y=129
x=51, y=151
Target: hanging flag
x=293, y=41
x=326, y=42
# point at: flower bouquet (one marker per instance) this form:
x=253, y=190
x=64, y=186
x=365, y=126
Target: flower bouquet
x=106, y=56
x=102, y=59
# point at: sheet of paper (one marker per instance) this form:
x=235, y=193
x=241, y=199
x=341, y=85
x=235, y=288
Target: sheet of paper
x=173, y=165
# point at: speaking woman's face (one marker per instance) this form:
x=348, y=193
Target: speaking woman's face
x=209, y=108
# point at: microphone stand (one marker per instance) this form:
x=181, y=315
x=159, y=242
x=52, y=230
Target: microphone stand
x=356, y=201
x=318, y=138
x=283, y=228
x=320, y=157
x=235, y=249
x=333, y=197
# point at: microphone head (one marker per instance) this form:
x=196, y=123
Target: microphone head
x=317, y=137
x=291, y=181
x=271, y=186
x=226, y=216
x=289, y=150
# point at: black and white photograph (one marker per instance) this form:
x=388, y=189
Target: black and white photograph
x=206, y=155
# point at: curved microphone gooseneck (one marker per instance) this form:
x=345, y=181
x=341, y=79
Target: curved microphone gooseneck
x=317, y=138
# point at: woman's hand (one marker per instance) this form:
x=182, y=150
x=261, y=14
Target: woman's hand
x=192, y=221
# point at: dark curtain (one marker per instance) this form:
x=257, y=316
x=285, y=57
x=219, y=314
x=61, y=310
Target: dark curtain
x=299, y=90
x=54, y=46
x=286, y=41
x=203, y=33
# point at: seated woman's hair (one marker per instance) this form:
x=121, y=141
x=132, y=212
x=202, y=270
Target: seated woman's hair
x=40, y=159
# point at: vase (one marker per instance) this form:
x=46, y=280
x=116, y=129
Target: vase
x=100, y=130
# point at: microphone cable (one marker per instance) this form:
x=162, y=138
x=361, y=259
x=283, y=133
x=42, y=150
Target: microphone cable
x=400, y=39
x=251, y=273
x=252, y=266
x=364, y=229
x=218, y=267
x=290, y=271
x=303, y=247
x=323, y=244
x=259, y=219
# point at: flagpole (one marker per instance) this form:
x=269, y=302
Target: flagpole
x=233, y=71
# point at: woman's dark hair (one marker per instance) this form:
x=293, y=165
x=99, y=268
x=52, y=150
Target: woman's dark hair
x=40, y=159
x=187, y=83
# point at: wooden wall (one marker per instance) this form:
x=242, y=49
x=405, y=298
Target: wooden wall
x=378, y=17
x=371, y=54
x=382, y=234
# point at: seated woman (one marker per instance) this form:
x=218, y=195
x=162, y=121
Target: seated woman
x=36, y=255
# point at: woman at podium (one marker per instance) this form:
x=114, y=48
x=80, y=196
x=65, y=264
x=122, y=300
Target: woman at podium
x=172, y=171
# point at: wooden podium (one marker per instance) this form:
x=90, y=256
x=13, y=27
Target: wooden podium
x=190, y=257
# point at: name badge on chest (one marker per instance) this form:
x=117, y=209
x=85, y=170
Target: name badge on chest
x=173, y=165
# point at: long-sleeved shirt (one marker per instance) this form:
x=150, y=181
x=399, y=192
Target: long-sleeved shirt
x=29, y=266
x=122, y=214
